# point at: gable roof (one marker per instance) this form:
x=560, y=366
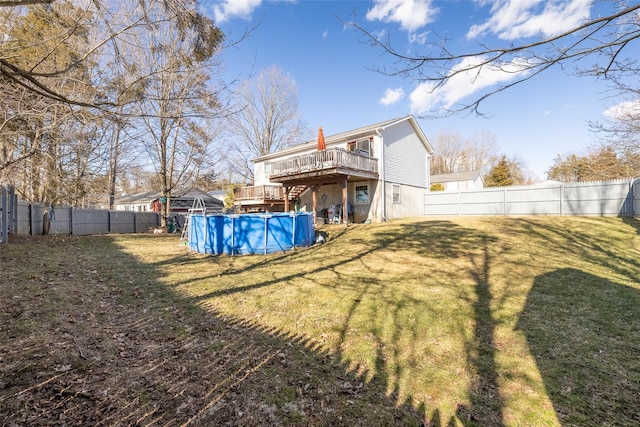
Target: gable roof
x=457, y=176
x=349, y=135
x=182, y=198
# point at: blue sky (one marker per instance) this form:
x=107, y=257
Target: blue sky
x=331, y=66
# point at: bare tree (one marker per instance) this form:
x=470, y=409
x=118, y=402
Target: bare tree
x=268, y=119
x=455, y=153
x=621, y=131
x=111, y=27
x=176, y=101
x=610, y=40
x=596, y=164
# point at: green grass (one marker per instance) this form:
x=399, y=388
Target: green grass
x=486, y=320
x=469, y=321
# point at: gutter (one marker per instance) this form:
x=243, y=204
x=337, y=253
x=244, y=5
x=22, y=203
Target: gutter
x=382, y=176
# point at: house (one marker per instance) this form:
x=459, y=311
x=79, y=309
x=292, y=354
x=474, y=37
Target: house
x=380, y=172
x=180, y=202
x=459, y=181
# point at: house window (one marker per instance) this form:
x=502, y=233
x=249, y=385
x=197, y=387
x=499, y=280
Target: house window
x=267, y=170
x=361, y=147
x=362, y=194
x=396, y=194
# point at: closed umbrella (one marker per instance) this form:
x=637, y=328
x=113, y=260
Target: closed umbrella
x=321, y=144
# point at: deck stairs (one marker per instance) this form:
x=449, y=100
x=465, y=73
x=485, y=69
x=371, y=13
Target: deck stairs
x=297, y=191
x=198, y=207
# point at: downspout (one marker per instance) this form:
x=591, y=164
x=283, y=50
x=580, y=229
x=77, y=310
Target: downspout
x=382, y=177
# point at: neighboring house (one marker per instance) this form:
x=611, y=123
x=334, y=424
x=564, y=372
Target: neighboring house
x=459, y=181
x=181, y=202
x=380, y=171
x=139, y=202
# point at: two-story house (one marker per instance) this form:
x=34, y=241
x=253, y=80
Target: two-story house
x=379, y=172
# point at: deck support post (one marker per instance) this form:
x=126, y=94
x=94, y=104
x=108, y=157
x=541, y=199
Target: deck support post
x=314, y=194
x=345, y=205
x=287, y=190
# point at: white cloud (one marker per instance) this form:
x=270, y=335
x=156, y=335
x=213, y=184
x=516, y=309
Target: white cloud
x=391, y=96
x=228, y=9
x=623, y=110
x=410, y=14
x=325, y=34
x=513, y=19
x=426, y=98
x=420, y=38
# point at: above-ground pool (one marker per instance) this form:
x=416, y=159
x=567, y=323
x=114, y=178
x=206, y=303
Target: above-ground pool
x=250, y=233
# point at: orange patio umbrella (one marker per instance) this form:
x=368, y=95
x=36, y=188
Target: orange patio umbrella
x=321, y=145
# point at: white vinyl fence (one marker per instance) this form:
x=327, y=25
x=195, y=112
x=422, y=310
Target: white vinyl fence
x=23, y=218
x=602, y=198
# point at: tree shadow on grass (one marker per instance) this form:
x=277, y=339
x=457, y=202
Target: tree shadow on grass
x=393, y=359
x=447, y=241
x=89, y=342
x=583, y=332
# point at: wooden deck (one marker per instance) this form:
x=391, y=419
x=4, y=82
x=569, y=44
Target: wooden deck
x=318, y=165
x=310, y=170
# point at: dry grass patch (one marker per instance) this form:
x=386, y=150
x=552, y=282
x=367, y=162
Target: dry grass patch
x=470, y=321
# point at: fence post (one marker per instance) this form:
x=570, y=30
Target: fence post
x=4, y=215
x=504, y=201
x=630, y=199
x=561, y=198
x=31, y=215
x=13, y=211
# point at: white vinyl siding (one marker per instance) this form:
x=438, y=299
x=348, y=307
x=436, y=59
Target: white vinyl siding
x=405, y=158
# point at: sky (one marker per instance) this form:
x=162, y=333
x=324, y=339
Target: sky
x=339, y=89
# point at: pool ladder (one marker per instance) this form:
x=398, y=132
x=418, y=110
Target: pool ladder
x=197, y=207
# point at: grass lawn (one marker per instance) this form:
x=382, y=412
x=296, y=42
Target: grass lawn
x=456, y=321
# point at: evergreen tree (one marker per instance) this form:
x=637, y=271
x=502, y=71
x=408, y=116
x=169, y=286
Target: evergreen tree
x=500, y=175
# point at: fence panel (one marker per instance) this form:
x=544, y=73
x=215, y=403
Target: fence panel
x=442, y=203
x=122, y=222
x=478, y=202
x=533, y=201
x=60, y=221
x=606, y=198
x=37, y=213
x=23, y=218
x=89, y=221
x=146, y=220
x=598, y=198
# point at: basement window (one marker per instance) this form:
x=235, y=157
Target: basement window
x=396, y=194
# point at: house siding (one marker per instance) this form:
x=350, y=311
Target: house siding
x=406, y=159
x=411, y=202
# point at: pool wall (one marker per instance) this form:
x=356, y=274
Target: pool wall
x=250, y=233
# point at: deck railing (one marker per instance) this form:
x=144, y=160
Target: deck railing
x=326, y=159
x=259, y=192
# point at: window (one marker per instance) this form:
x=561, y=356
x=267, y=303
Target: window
x=361, y=147
x=396, y=194
x=362, y=194
x=267, y=170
